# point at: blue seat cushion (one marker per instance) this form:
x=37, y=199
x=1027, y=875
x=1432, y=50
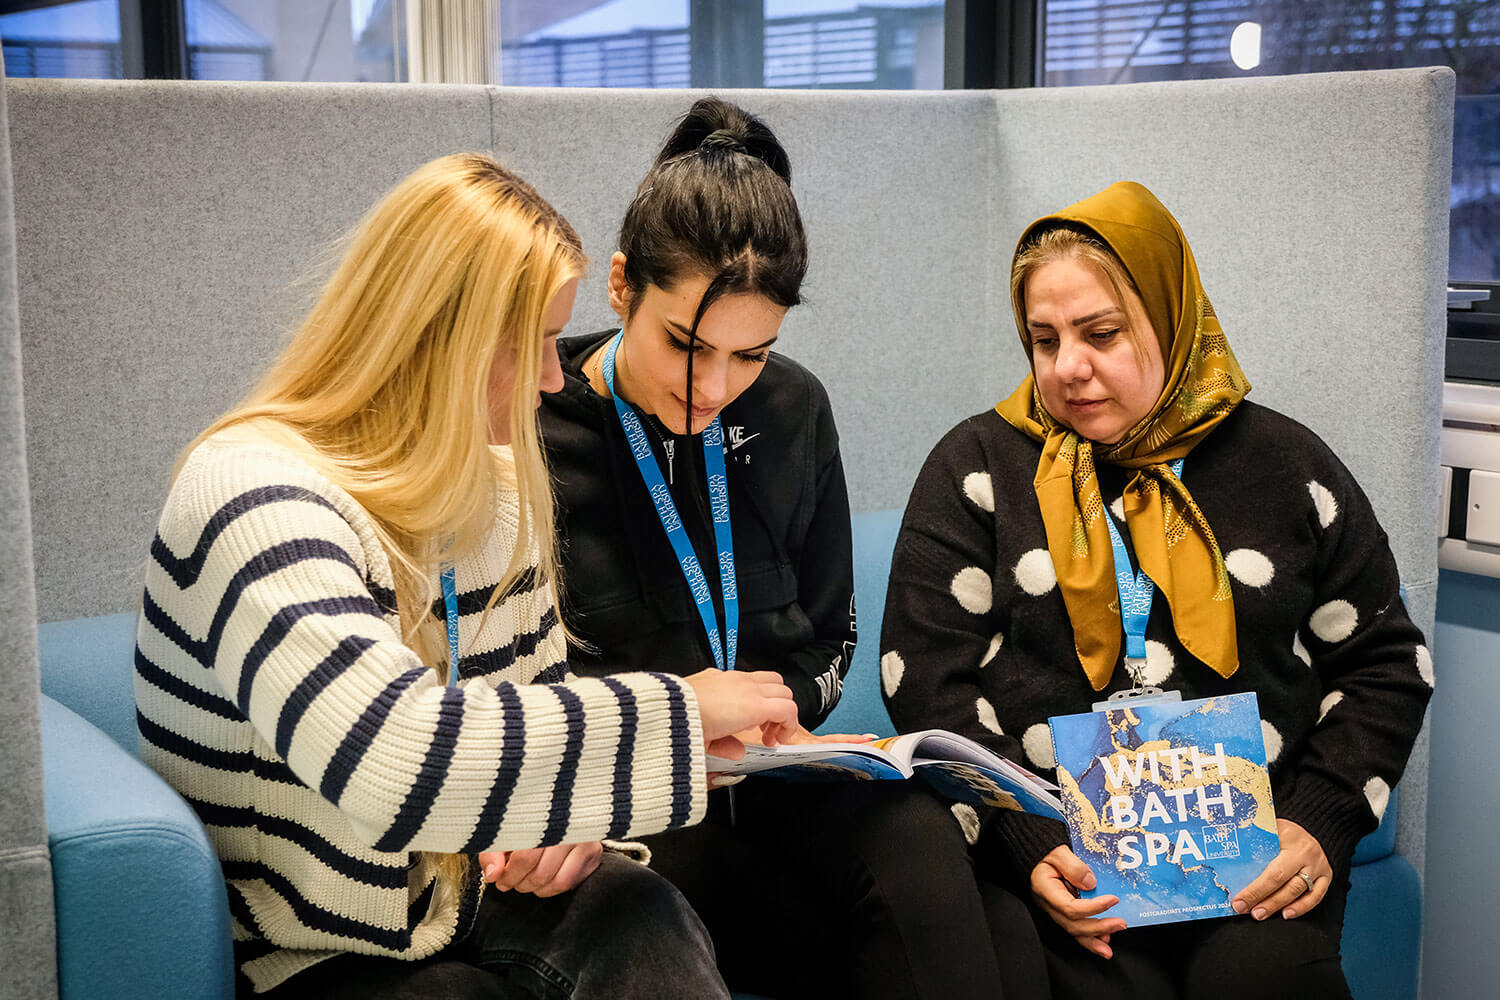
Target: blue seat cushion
x=88, y=665
x=141, y=905
x=861, y=709
x=1383, y=930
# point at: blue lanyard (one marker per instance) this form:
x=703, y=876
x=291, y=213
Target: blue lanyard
x=666, y=510
x=450, y=606
x=1136, y=592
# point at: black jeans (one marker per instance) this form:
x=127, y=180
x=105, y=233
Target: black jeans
x=624, y=933
x=850, y=889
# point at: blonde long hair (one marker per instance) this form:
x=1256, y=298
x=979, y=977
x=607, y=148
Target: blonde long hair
x=385, y=386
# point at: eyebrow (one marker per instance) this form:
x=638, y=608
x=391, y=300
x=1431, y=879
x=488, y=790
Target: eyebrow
x=688, y=335
x=1080, y=321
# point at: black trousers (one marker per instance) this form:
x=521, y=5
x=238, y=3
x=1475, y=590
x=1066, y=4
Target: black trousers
x=1226, y=958
x=623, y=934
x=850, y=889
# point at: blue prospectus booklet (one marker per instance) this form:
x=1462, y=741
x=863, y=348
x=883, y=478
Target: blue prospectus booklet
x=1169, y=803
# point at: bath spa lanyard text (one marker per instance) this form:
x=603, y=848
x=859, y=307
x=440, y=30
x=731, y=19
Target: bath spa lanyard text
x=682, y=546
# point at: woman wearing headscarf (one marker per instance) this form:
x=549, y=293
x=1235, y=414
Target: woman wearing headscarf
x=1270, y=572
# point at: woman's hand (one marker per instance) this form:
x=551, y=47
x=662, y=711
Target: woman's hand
x=1055, y=883
x=543, y=871
x=1281, y=886
x=802, y=736
x=730, y=701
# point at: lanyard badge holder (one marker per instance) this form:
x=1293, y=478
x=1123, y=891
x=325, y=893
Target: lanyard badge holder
x=450, y=609
x=666, y=510
x=724, y=650
x=1136, y=592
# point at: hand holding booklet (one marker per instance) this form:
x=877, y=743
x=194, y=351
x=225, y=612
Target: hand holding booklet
x=956, y=767
x=1168, y=803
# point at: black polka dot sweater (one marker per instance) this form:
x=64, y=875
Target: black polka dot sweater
x=275, y=695
x=976, y=636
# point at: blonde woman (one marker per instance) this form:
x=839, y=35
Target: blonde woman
x=349, y=657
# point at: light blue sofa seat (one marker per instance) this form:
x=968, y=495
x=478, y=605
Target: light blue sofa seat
x=141, y=904
x=861, y=709
x=140, y=899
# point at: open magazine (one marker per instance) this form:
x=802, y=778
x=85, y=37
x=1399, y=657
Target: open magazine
x=955, y=766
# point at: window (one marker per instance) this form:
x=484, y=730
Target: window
x=625, y=43
x=1117, y=41
x=328, y=40
x=892, y=45
x=68, y=40
x=887, y=44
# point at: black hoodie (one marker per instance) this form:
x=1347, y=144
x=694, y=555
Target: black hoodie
x=623, y=593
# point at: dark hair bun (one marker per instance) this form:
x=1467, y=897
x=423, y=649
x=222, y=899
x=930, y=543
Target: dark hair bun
x=718, y=202
x=723, y=139
x=713, y=126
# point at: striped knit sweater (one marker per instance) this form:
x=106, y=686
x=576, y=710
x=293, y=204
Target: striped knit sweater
x=274, y=693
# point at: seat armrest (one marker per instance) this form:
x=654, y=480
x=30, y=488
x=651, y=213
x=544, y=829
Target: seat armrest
x=140, y=897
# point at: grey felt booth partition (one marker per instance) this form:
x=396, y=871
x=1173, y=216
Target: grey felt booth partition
x=162, y=227
x=27, y=969
x=170, y=233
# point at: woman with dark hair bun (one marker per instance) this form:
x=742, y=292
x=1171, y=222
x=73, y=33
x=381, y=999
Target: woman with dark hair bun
x=706, y=522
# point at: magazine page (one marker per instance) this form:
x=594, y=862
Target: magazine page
x=1169, y=803
x=976, y=784
x=941, y=745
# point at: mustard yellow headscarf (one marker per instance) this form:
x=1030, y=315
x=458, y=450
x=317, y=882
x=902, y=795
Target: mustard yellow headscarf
x=1173, y=541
